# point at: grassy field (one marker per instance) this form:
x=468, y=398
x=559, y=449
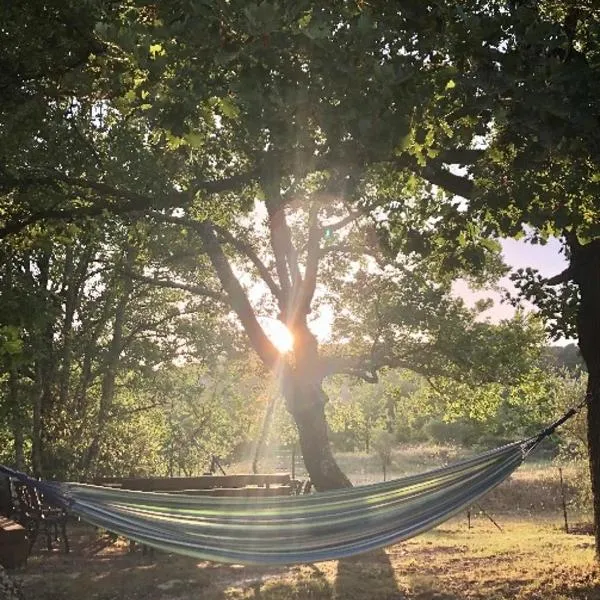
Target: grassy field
x=533, y=488
x=531, y=559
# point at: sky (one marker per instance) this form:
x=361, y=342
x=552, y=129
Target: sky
x=518, y=254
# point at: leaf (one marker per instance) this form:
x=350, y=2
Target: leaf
x=156, y=50
x=450, y=85
x=229, y=108
x=194, y=139
x=404, y=143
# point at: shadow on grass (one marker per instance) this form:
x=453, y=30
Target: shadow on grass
x=305, y=583
x=367, y=576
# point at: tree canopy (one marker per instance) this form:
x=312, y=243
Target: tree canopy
x=269, y=160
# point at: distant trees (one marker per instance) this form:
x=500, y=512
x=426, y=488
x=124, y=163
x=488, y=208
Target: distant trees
x=442, y=410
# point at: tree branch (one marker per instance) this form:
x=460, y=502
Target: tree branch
x=455, y=184
x=364, y=367
x=236, y=295
x=347, y=248
x=563, y=277
x=313, y=253
x=343, y=222
x=246, y=249
x=286, y=256
x=279, y=250
x=437, y=389
x=242, y=246
x=461, y=156
x=238, y=299
x=436, y=173
x=133, y=201
x=197, y=290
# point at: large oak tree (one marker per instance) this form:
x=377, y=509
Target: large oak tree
x=294, y=142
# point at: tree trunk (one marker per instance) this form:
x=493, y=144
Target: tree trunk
x=301, y=384
x=585, y=263
x=43, y=402
x=593, y=425
x=390, y=406
x=306, y=404
x=17, y=421
x=37, y=432
x=111, y=367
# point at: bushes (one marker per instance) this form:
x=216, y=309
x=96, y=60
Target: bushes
x=460, y=432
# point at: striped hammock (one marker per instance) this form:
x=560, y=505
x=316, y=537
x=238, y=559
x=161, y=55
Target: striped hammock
x=297, y=529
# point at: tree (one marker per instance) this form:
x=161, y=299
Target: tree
x=83, y=331
x=527, y=73
x=248, y=149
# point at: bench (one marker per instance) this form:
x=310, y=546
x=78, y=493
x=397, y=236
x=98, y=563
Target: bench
x=13, y=544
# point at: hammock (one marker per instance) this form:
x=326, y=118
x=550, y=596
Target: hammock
x=297, y=529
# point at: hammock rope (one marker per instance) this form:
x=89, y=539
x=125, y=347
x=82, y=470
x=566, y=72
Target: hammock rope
x=297, y=529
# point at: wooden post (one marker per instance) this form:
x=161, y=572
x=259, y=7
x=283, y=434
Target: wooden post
x=563, y=498
x=294, y=460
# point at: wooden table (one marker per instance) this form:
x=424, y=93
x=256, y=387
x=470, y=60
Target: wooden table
x=245, y=484
x=13, y=544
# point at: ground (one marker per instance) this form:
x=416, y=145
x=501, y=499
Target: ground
x=530, y=559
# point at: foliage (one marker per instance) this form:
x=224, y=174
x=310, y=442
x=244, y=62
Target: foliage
x=272, y=166
x=358, y=413
x=88, y=342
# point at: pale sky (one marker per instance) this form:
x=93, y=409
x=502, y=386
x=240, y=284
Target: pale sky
x=518, y=254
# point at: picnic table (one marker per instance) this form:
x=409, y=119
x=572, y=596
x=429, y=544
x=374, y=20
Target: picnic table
x=243, y=484
x=239, y=485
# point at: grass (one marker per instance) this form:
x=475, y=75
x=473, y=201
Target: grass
x=531, y=559
x=533, y=488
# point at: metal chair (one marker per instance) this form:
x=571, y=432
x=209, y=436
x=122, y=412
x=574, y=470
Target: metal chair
x=35, y=513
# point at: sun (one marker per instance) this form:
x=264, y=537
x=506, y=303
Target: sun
x=279, y=334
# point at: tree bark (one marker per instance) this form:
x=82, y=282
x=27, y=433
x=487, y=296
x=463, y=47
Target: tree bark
x=17, y=420
x=305, y=400
x=593, y=432
x=43, y=401
x=307, y=407
x=585, y=264
x=36, y=430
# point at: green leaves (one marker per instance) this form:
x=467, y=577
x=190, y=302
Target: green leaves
x=11, y=343
x=156, y=50
x=228, y=107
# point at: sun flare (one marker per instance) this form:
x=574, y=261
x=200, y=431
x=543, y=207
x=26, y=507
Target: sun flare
x=279, y=334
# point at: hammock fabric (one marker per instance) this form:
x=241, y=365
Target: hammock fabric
x=297, y=529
